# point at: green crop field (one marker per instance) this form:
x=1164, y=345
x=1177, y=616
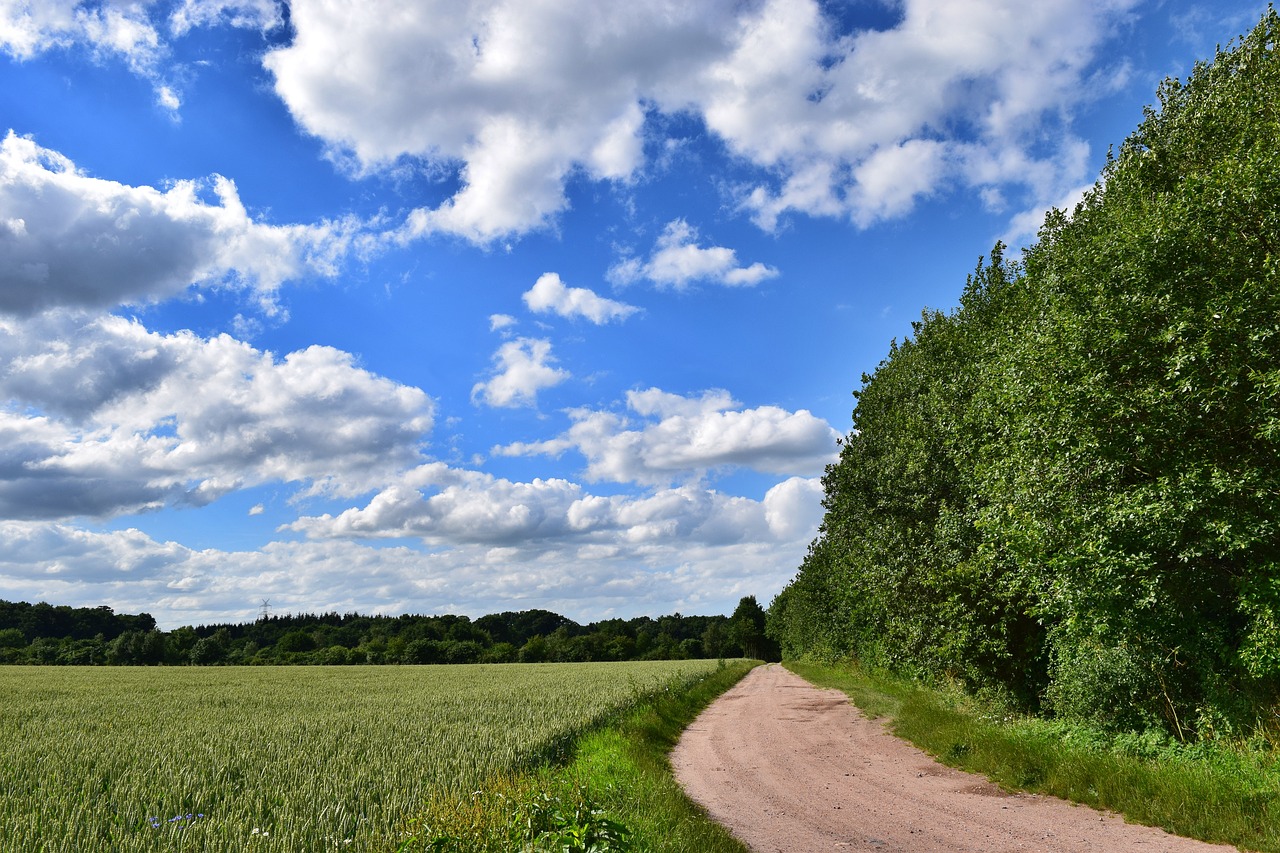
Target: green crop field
x=278, y=759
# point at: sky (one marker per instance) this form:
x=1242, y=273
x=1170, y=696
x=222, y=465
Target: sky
x=430, y=306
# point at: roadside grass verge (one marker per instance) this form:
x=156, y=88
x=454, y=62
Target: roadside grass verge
x=1212, y=790
x=616, y=793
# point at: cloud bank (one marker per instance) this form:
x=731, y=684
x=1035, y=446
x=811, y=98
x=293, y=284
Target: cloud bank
x=102, y=419
x=71, y=240
x=685, y=437
x=519, y=99
x=130, y=571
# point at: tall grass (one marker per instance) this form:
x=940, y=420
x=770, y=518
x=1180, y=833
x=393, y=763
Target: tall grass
x=629, y=764
x=273, y=760
x=1220, y=791
x=619, y=778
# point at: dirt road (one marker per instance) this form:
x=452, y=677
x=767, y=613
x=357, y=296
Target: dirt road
x=790, y=768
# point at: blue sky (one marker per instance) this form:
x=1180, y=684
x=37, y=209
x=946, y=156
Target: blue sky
x=419, y=306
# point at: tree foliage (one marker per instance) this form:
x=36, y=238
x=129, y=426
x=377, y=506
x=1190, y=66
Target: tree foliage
x=1068, y=488
x=44, y=634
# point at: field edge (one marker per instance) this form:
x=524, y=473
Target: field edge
x=618, y=775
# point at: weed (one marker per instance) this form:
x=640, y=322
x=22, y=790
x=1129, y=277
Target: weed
x=526, y=814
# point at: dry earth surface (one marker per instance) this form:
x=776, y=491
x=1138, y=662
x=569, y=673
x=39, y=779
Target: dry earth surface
x=791, y=768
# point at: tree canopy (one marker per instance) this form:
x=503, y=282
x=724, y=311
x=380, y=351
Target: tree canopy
x=1068, y=488
x=44, y=634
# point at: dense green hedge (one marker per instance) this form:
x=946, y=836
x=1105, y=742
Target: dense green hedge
x=1068, y=488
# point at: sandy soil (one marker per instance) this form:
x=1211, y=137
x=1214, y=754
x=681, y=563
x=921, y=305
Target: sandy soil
x=790, y=768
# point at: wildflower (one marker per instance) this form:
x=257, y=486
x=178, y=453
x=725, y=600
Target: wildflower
x=183, y=819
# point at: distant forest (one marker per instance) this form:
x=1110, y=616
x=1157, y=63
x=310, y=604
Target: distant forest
x=90, y=636
x=1066, y=492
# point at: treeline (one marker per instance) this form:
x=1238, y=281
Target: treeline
x=45, y=634
x=1067, y=490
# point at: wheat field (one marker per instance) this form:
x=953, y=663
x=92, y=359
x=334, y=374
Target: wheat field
x=278, y=759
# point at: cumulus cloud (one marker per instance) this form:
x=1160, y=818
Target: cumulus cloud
x=445, y=506
x=101, y=419
x=516, y=99
x=68, y=239
x=897, y=114
x=522, y=368
x=550, y=295
x=677, y=261
x=516, y=96
x=466, y=507
x=617, y=574
x=684, y=437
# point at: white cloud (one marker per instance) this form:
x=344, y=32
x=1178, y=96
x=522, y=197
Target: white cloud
x=887, y=183
x=448, y=507
x=951, y=76
x=550, y=295
x=467, y=507
x=68, y=239
x=793, y=508
x=677, y=261
x=522, y=368
x=101, y=419
x=655, y=401
x=619, y=575
x=519, y=98
x=260, y=15
x=28, y=29
x=501, y=322
x=516, y=96
x=126, y=30
x=119, y=29
x=168, y=98
x=684, y=437
x=498, y=544
x=1025, y=226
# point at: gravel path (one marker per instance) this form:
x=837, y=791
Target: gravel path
x=791, y=768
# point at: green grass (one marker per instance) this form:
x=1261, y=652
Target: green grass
x=282, y=759
x=1220, y=792
x=620, y=771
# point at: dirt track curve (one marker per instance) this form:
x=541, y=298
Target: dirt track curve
x=791, y=768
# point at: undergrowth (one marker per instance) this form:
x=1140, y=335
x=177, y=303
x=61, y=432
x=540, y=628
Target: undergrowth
x=1213, y=790
x=517, y=813
x=615, y=794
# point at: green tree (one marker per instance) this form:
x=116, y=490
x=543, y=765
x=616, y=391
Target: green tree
x=212, y=649
x=746, y=629
x=1068, y=488
x=715, y=639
